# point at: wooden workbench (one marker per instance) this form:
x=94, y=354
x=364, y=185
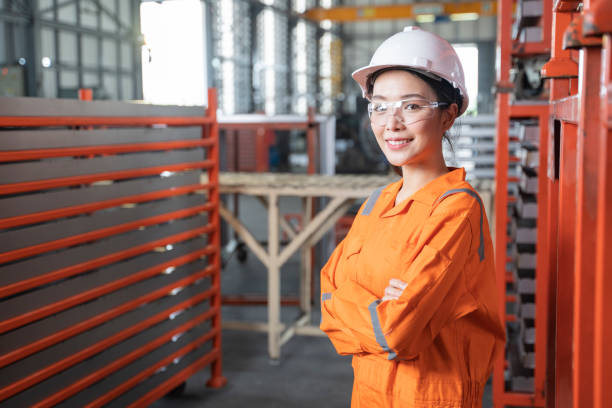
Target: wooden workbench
x=342, y=191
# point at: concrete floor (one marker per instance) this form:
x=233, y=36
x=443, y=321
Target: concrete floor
x=310, y=373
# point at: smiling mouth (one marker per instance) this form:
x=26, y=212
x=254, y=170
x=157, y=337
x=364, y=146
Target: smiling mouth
x=398, y=142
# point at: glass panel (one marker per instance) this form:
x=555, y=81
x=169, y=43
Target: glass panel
x=89, y=51
x=108, y=17
x=69, y=79
x=468, y=54
x=91, y=80
x=89, y=14
x=49, y=84
x=126, y=57
x=68, y=48
x=67, y=14
x=109, y=54
x=127, y=88
x=47, y=44
x=173, y=55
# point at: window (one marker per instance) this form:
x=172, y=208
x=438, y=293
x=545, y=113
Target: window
x=468, y=54
x=173, y=68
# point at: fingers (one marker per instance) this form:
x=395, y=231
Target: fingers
x=396, y=283
x=394, y=290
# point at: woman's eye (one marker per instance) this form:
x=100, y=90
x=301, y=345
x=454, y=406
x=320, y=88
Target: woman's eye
x=412, y=106
x=380, y=108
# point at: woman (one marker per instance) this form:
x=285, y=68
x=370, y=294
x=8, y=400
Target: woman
x=410, y=292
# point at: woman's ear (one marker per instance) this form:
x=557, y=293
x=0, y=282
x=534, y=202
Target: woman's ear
x=449, y=115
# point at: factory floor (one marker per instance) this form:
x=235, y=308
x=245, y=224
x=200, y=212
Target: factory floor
x=309, y=374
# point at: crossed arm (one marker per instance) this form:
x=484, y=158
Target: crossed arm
x=415, y=305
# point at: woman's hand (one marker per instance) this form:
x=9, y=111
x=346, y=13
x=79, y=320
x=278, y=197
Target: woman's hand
x=394, y=290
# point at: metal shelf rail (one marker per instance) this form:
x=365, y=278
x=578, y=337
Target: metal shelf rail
x=109, y=251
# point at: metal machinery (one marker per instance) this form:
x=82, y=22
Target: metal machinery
x=109, y=251
x=556, y=205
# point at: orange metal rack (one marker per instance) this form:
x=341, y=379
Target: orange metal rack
x=574, y=210
x=509, y=111
x=109, y=251
x=579, y=179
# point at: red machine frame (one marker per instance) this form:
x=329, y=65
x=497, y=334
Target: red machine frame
x=574, y=208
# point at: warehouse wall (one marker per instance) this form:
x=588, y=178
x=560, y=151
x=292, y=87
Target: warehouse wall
x=63, y=46
x=14, y=52
x=309, y=65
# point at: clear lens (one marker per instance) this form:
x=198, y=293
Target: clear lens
x=405, y=111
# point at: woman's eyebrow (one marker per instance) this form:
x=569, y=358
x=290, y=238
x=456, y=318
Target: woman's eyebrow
x=406, y=96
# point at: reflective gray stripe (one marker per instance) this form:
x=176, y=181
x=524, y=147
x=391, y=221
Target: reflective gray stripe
x=378, y=334
x=325, y=296
x=481, y=249
x=371, y=201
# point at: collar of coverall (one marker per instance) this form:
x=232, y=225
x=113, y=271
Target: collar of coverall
x=427, y=195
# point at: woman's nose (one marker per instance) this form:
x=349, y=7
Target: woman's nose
x=394, y=120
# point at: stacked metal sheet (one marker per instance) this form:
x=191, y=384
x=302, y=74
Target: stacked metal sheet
x=522, y=261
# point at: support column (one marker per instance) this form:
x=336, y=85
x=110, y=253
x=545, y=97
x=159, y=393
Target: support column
x=274, y=325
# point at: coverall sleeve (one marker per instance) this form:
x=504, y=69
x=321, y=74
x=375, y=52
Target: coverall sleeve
x=340, y=336
x=402, y=328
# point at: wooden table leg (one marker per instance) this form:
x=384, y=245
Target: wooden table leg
x=274, y=325
x=306, y=264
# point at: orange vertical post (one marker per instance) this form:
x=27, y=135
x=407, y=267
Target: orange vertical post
x=217, y=380
x=261, y=150
x=598, y=22
x=562, y=71
x=559, y=69
x=543, y=264
x=586, y=221
x=311, y=142
x=603, y=263
x=552, y=187
x=564, y=250
x=504, y=44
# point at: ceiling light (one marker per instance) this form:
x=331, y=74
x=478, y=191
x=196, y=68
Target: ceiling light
x=425, y=18
x=464, y=16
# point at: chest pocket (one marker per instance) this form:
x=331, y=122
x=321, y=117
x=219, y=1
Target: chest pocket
x=352, y=253
x=353, y=248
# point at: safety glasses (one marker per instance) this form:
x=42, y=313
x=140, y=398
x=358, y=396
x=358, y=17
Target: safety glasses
x=406, y=111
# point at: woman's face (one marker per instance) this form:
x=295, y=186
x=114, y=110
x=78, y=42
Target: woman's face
x=416, y=142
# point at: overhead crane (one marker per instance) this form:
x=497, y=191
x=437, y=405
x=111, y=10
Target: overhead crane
x=458, y=11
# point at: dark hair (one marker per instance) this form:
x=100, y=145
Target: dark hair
x=445, y=91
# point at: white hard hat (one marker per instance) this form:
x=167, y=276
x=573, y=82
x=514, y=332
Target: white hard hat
x=418, y=50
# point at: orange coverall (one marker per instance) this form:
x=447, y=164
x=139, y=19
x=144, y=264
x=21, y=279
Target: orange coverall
x=435, y=345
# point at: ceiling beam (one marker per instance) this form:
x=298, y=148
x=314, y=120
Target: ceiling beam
x=404, y=11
